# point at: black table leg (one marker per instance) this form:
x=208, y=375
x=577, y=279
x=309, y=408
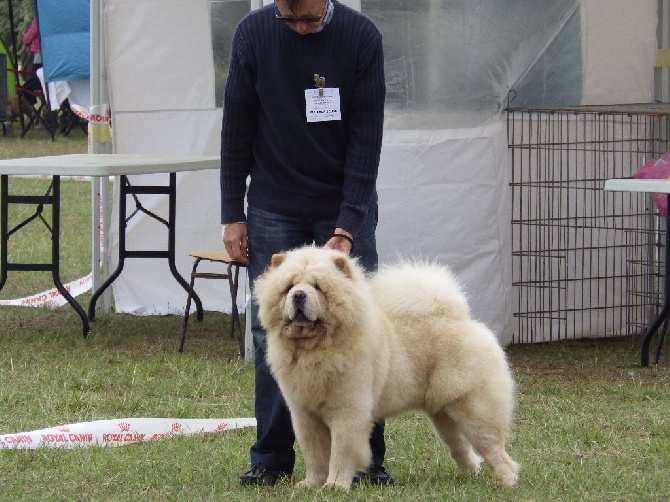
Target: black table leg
x=55, y=257
x=127, y=189
x=662, y=318
x=172, y=234
x=4, y=207
x=122, y=253
x=53, y=198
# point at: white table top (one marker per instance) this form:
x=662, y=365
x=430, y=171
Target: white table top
x=107, y=164
x=638, y=185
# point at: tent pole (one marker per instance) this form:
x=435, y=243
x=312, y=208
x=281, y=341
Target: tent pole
x=97, y=145
x=95, y=180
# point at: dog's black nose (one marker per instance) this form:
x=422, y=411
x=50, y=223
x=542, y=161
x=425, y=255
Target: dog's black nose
x=299, y=297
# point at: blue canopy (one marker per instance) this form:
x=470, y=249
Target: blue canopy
x=65, y=39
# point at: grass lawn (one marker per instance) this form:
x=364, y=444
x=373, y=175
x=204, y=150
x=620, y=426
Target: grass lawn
x=590, y=424
x=37, y=143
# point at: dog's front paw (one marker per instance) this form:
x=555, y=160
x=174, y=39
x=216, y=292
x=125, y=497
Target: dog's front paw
x=338, y=485
x=306, y=483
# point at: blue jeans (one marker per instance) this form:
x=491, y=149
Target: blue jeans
x=270, y=233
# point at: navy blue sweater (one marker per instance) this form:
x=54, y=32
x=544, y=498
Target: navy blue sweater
x=301, y=169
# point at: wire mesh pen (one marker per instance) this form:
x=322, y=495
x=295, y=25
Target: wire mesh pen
x=585, y=262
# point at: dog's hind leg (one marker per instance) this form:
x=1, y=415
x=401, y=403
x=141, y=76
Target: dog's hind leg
x=504, y=469
x=486, y=431
x=459, y=447
x=314, y=439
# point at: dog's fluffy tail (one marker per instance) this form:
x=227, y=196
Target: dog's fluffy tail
x=420, y=289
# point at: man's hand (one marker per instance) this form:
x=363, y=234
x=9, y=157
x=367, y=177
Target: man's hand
x=234, y=237
x=340, y=243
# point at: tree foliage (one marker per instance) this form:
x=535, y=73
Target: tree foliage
x=24, y=11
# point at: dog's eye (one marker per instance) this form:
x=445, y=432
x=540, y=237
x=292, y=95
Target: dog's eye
x=316, y=286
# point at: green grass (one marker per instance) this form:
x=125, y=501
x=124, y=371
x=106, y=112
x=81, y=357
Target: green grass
x=590, y=424
x=37, y=143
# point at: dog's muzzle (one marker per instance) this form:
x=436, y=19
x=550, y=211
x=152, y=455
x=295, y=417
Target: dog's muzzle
x=299, y=307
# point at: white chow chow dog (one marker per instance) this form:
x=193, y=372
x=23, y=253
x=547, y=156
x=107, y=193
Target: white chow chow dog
x=348, y=351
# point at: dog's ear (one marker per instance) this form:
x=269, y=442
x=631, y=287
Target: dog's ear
x=277, y=259
x=343, y=264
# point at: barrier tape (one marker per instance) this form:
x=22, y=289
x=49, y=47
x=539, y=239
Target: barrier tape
x=119, y=432
x=53, y=298
x=79, y=111
x=99, y=129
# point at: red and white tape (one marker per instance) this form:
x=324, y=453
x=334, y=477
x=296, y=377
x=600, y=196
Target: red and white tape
x=119, y=432
x=52, y=297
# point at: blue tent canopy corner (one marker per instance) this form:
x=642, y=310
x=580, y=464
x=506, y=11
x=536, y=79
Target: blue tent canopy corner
x=65, y=39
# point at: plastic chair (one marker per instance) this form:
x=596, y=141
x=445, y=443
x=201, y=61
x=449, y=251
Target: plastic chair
x=232, y=274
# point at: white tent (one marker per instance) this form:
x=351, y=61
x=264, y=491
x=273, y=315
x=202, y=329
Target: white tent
x=450, y=65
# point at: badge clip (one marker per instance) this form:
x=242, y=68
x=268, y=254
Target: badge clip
x=320, y=83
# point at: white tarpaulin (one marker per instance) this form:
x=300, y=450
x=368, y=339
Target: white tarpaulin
x=443, y=185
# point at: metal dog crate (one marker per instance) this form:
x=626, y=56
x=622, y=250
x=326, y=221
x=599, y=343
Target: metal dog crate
x=585, y=262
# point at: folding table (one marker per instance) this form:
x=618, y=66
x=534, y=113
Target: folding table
x=121, y=165
x=651, y=186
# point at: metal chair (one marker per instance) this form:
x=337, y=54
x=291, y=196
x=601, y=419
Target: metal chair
x=232, y=274
x=33, y=101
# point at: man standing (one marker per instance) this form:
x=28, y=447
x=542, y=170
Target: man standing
x=302, y=120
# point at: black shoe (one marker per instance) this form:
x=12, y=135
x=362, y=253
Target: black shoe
x=261, y=474
x=375, y=475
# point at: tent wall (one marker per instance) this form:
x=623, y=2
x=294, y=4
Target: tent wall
x=443, y=183
x=619, y=50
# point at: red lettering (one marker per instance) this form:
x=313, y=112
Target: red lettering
x=96, y=118
x=81, y=438
x=17, y=439
x=54, y=438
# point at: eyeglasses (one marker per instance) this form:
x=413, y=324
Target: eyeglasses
x=300, y=19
